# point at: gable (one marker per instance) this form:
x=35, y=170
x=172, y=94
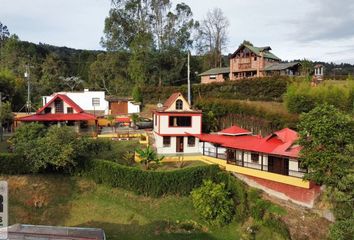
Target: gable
x=67, y=102
x=170, y=104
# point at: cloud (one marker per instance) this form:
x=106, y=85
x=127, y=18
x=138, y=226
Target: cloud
x=326, y=20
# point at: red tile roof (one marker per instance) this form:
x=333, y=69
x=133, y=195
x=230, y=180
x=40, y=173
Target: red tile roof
x=279, y=143
x=66, y=99
x=234, y=130
x=58, y=117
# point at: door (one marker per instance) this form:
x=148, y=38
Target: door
x=179, y=144
x=119, y=108
x=278, y=165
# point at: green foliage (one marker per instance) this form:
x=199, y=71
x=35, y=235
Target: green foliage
x=148, y=156
x=342, y=229
x=213, y=202
x=238, y=193
x=55, y=148
x=223, y=107
x=136, y=94
x=13, y=164
x=301, y=97
x=328, y=151
x=151, y=183
x=325, y=133
x=6, y=116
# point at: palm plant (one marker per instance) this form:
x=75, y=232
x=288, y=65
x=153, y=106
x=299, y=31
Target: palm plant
x=147, y=156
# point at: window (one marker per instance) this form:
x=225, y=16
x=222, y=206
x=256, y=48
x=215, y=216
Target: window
x=155, y=119
x=254, y=157
x=179, y=104
x=166, y=141
x=175, y=121
x=212, y=77
x=95, y=101
x=59, y=106
x=255, y=58
x=191, y=141
x=69, y=110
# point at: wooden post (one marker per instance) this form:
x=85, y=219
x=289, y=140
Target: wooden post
x=243, y=159
x=262, y=163
x=203, y=148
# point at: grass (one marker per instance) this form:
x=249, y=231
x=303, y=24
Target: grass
x=75, y=201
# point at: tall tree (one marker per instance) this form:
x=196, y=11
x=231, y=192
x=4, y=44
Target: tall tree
x=213, y=36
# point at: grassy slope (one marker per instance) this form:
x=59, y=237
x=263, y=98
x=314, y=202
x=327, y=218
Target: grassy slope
x=73, y=201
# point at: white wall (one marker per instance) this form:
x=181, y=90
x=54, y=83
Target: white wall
x=172, y=148
x=165, y=129
x=84, y=100
x=133, y=108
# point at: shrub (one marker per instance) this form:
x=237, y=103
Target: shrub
x=224, y=107
x=150, y=183
x=267, y=89
x=301, y=97
x=12, y=164
x=238, y=193
x=342, y=229
x=214, y=203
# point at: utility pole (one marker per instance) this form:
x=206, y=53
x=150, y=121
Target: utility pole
x=189, y=79
x=28, y=103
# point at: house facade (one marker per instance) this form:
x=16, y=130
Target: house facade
x=249, y=62
x=90, y=101
x=270, y=163
x=172, y=121
x=61, y=110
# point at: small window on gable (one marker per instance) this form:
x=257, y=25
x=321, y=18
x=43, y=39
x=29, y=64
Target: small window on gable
x=179, y=104
x=69, y=110
x=255, y=58
x=212, y=77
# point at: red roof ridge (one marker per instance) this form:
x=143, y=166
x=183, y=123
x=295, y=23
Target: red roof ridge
x=234, y=130
x=66, y=99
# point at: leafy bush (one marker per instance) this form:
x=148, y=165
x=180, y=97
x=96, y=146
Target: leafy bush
x=342, y=230
x=214, y=203
x=238, y=193
x=301, y=97
x=225, y=107
x=12, y=164
x=151, y=183
x=54, y=148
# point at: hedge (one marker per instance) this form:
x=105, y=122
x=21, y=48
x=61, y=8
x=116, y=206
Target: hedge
x=12, y=164
x=263, y=89
x=224, y=107
x=149, y=183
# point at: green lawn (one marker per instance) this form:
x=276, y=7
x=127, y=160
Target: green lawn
x=74, y=201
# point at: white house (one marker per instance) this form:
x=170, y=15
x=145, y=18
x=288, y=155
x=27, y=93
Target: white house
x=97, y=103
x=174, y=122
x=90, y=101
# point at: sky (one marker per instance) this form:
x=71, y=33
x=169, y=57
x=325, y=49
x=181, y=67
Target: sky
x=319, y=30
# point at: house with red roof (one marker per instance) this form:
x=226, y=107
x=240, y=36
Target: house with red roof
x=172, y=121
x=60, y=110
x=270, y=163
